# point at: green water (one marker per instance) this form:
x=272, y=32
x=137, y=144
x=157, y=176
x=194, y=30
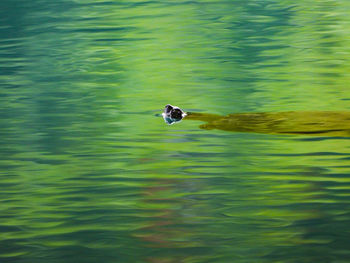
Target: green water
x=88, y=173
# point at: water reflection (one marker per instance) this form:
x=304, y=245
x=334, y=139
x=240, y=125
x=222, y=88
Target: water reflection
x=87, y=174
x=165, y=215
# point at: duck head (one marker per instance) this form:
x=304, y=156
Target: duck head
x=173, y=114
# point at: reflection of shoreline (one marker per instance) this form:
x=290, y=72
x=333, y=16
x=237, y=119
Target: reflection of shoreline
x=307, y=213
x=304, y=123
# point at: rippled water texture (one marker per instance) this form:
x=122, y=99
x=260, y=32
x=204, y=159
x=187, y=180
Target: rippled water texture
x=88, y=173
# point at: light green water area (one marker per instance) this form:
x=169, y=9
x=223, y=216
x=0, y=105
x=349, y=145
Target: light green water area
x=89, y=173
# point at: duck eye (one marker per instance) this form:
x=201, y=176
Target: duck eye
x=168, y=108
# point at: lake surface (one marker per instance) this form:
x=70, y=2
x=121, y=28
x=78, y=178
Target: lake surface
x=89, y=173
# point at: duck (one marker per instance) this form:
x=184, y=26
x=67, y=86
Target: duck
x=173, y=114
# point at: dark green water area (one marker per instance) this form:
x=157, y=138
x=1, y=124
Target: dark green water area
x=88, y=173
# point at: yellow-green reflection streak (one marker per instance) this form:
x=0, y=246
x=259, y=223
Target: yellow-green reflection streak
x=304, y=123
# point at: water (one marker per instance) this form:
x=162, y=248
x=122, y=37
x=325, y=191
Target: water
x=89, y=174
